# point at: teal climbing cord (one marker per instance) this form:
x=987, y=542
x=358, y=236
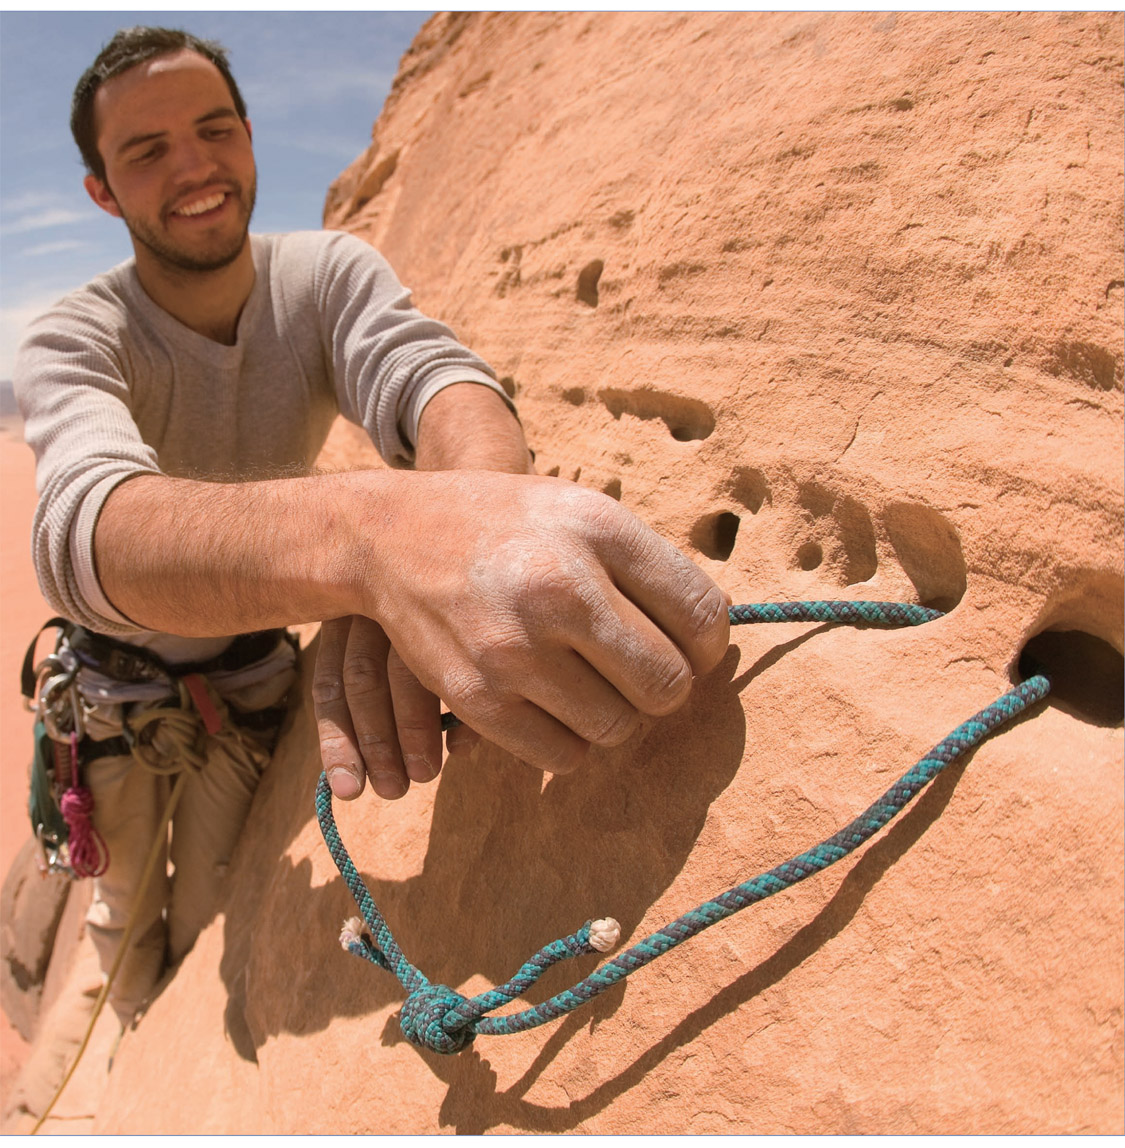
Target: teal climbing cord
x=442, y=1020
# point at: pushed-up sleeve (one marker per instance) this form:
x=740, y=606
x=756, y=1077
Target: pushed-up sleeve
x=388, y=358
x=72, y=393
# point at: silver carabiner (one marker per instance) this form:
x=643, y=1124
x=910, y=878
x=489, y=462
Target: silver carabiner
x=51, y=666
x=77, y=714
x=51, y=714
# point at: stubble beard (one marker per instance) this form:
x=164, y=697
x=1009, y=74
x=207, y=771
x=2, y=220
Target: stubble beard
x=175, y=258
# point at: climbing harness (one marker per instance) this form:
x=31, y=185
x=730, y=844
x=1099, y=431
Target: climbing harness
x=440, y=1019
x=89, y=676
x=96, y=697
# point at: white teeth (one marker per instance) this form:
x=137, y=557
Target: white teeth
x=202, y=205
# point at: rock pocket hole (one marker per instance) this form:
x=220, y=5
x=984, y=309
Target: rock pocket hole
x=749, y=486
x=1087, y=674
x=929, y=550
x=714, y=536
x=810, y=556
x=845, y=525
x=687, y=419
x=588, y=277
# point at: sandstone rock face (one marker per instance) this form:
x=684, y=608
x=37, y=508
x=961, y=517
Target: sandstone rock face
x=31, y=905
x=834, y=302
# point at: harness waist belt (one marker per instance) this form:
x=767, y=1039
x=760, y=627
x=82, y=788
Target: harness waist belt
x=126, y=663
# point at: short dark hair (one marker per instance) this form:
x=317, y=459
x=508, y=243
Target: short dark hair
x=128, y=48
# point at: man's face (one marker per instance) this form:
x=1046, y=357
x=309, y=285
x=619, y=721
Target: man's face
x=179, y=165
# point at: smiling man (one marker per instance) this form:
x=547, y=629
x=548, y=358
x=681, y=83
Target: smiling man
x=176, y=406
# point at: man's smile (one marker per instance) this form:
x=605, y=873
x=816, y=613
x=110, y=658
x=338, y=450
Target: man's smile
x=203, y=205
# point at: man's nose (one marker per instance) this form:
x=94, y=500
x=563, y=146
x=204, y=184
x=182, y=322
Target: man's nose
x=194, y=162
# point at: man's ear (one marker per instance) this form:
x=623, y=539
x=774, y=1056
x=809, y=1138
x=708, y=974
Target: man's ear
x=249, y=131
x=99, y=192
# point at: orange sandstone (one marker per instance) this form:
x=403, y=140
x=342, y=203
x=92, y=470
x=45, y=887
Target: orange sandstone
x=835, y=303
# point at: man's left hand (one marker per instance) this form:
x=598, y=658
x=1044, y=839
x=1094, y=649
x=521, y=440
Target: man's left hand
x=374, y=718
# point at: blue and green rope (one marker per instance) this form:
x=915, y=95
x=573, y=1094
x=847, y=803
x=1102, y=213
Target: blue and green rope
x=440, y=1019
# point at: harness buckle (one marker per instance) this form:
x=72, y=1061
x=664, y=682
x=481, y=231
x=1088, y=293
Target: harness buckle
x=126, y=667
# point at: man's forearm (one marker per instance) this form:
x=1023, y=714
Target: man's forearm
x=205, y=559
x=374, y=717
x=470, y=427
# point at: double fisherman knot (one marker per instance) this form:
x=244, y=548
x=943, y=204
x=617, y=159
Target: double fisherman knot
x=428, y=1021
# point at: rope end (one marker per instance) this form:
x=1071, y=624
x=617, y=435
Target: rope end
x=351, y=934
x=604, y=934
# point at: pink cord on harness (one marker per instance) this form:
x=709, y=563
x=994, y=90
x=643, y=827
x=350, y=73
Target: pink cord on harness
x=89, y=855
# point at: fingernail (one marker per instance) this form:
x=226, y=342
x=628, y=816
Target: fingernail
x=388, y=785
x=345, y=785
x=419, y=766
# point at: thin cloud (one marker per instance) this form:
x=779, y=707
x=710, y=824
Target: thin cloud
x=38, y=221
x=303, y=89
x=58, y=247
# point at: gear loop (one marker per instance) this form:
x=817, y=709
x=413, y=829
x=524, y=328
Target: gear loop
x=426, y=1020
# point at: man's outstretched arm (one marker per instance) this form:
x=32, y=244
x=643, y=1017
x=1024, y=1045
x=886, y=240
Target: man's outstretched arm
x=547, y=616
x=374, y=718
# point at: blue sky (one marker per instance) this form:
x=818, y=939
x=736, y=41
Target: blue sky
x=313, y=83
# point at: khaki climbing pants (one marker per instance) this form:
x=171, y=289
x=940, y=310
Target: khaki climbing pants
x=129, y=804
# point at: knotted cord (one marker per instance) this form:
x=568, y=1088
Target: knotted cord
x=440, y=1019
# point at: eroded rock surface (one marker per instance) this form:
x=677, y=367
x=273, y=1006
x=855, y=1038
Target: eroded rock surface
x=835, y=303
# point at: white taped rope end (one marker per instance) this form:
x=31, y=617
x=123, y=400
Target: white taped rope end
x=604, y=934
x=351, y=933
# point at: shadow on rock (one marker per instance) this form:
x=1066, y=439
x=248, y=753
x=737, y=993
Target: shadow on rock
x=511, y=864
x=472, y=1104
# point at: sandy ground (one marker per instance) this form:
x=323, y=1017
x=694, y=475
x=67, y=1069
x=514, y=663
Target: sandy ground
x=22, y=609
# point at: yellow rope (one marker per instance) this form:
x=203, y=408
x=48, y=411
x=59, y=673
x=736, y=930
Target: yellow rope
x=150, y=865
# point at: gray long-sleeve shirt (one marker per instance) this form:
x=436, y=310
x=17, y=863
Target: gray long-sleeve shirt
x=111, y=386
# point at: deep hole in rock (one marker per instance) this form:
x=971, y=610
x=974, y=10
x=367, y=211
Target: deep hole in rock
x=1087, y=674
x=588, y=277
x=810, y=556
x=715, y=535
x=726, y=531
